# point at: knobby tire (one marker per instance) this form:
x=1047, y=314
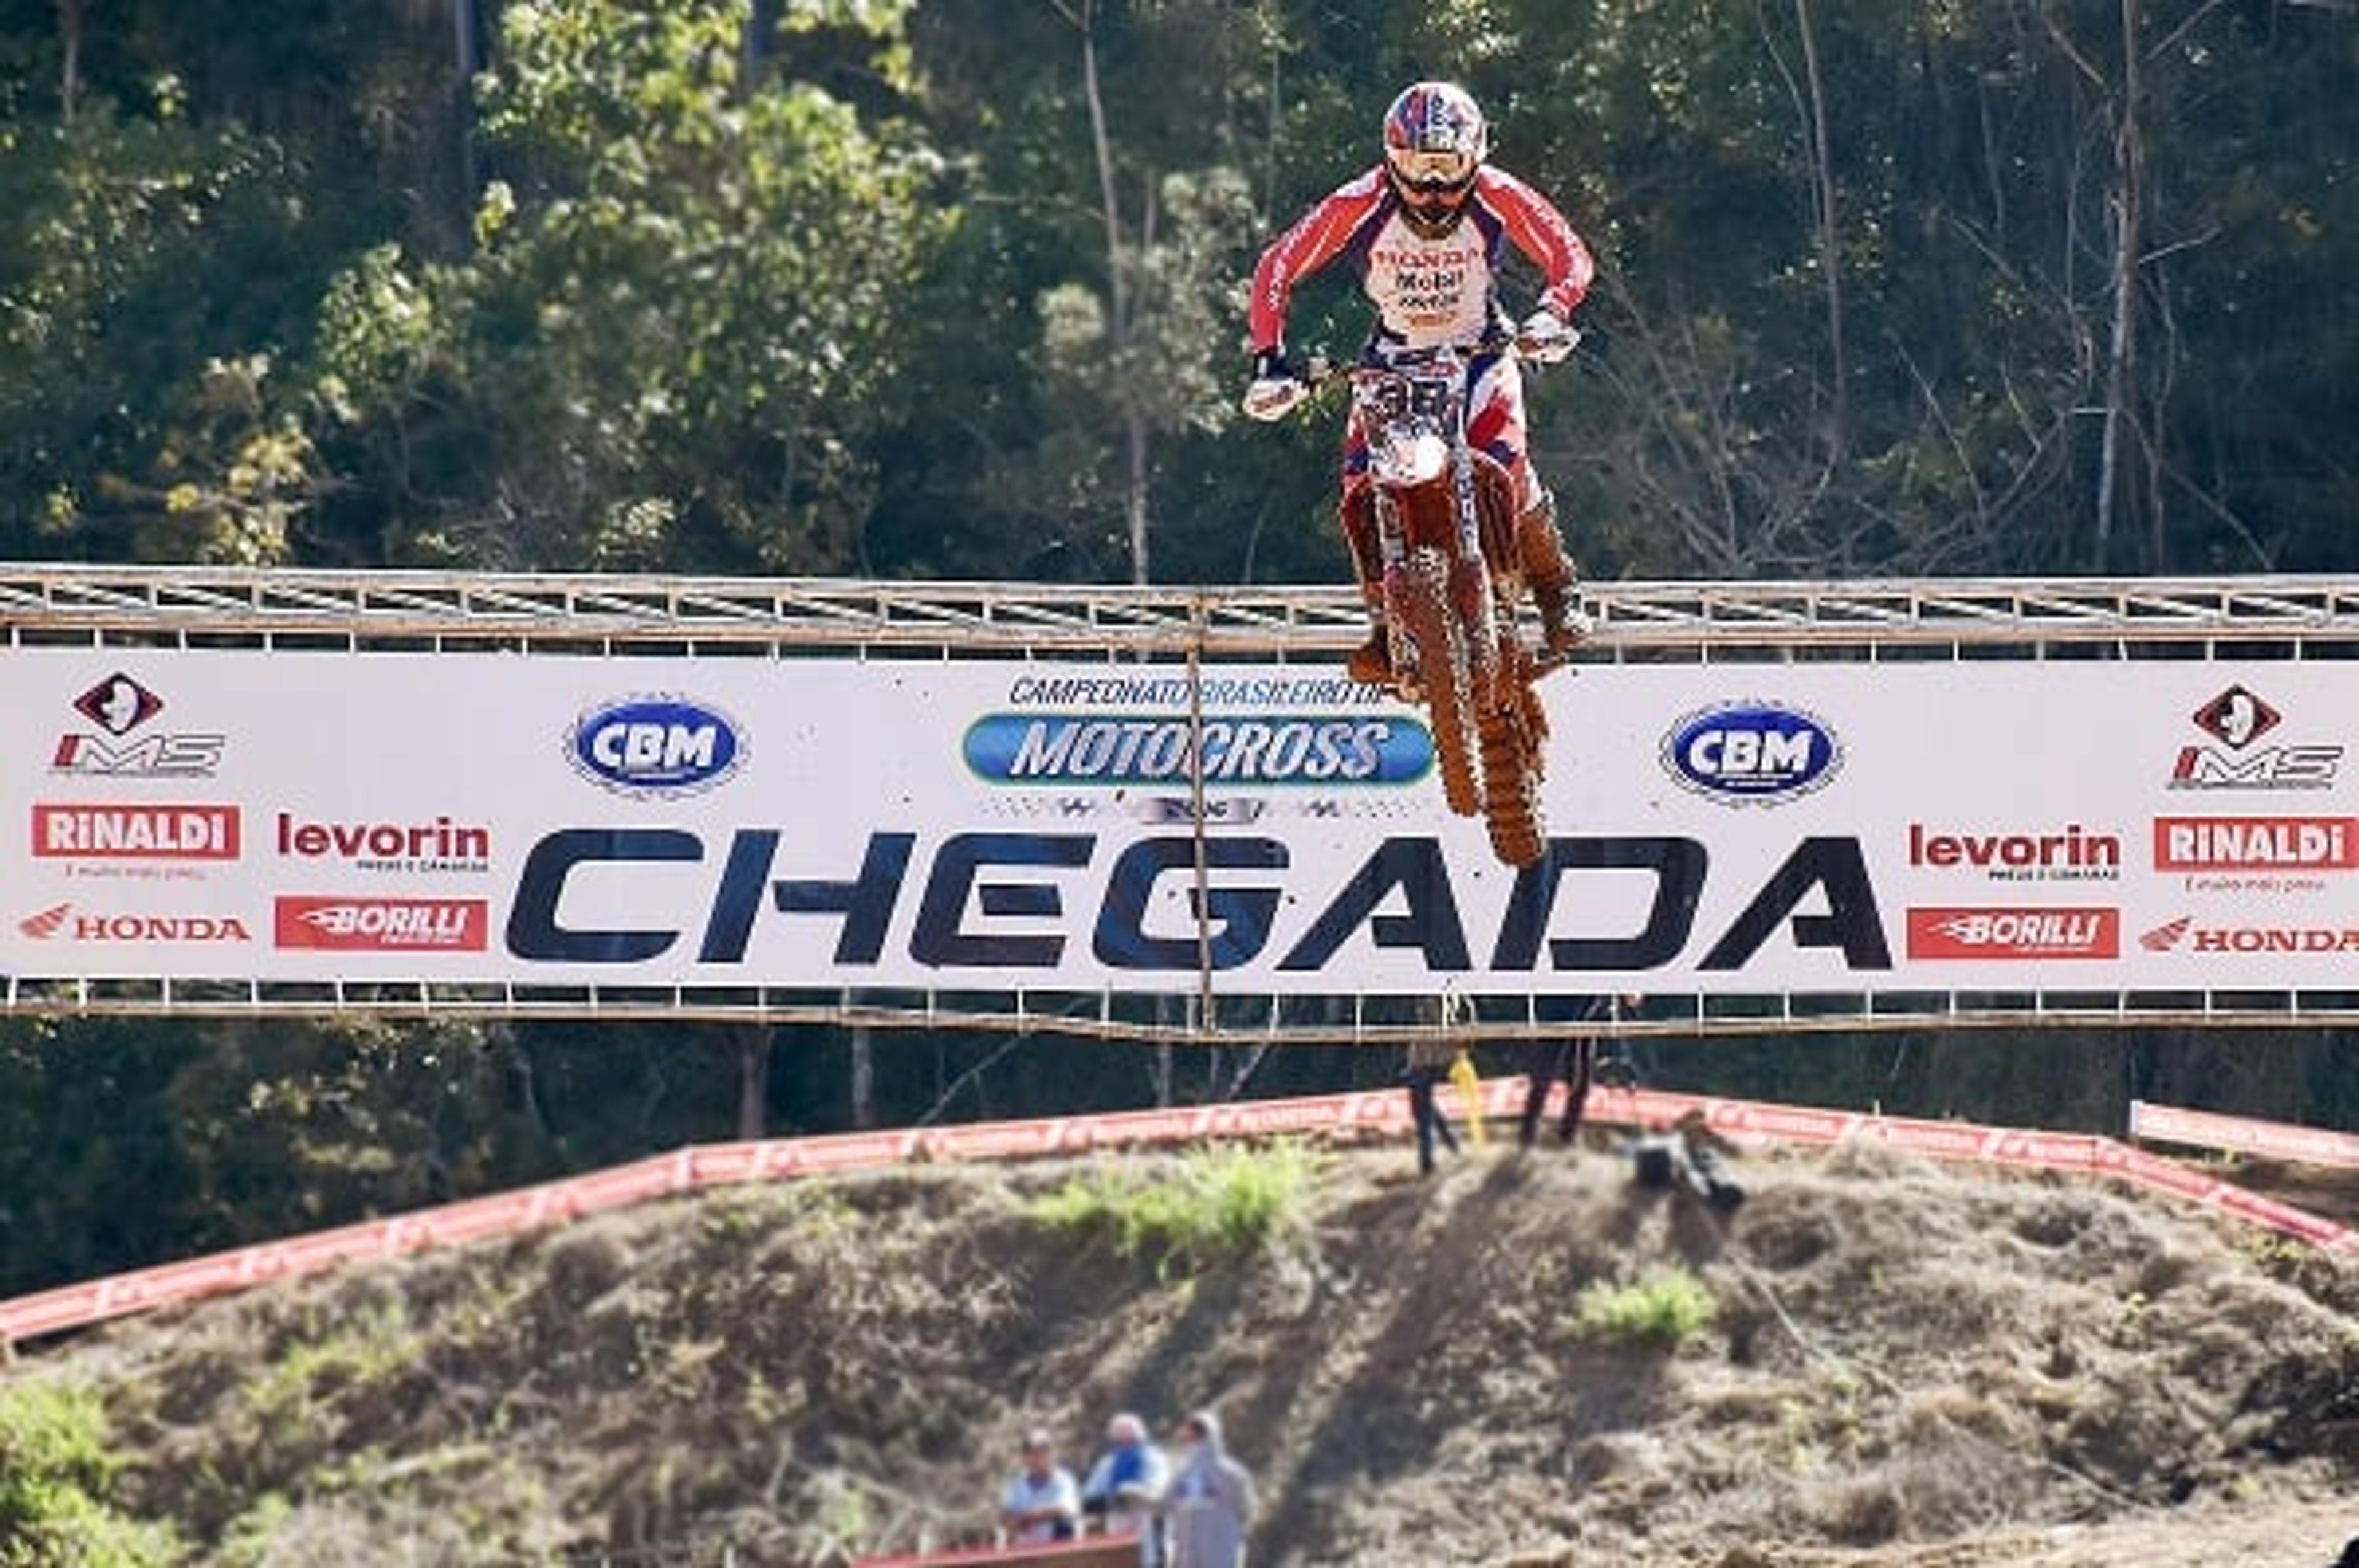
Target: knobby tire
x=1515, y=730
x=1442, y=671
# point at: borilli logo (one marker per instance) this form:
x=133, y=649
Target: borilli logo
x=383, y=924
x=2036, y=932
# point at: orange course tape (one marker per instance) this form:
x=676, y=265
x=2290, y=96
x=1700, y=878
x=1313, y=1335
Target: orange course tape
x=707, y=1167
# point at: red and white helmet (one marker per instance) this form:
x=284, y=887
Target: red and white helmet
x=1435, y=139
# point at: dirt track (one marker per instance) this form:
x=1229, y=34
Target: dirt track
x=1911, y=1366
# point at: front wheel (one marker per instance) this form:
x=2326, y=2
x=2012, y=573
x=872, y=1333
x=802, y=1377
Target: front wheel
x=1442, y=671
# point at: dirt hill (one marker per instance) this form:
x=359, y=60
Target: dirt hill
x=1902, y=1365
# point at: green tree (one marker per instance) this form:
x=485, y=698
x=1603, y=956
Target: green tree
x=666, y=347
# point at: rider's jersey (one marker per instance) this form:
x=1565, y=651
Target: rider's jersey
x=1426, y=291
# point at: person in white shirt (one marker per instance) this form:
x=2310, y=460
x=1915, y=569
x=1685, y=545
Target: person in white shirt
x=1042, y=1503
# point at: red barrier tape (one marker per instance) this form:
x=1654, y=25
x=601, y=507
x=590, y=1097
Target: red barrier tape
x=725, y=1165
x=2271, y=1140
x=1121, y=1548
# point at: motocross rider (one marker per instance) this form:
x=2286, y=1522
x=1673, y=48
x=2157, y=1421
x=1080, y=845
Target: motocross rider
x=1427, y=230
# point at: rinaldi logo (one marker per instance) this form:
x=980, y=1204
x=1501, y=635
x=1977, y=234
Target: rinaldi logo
x=2033, y=934
x=383, y=924
x=2256, y=843
x=134, y=832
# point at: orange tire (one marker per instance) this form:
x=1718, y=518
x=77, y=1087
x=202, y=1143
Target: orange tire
x=1441, y=669
x=1514, y=759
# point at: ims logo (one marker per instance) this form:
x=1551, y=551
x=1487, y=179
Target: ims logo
x=2236, y=719
x=122, y=707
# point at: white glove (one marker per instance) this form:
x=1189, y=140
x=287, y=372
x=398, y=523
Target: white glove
x=1274, y=397
x=1545, y=337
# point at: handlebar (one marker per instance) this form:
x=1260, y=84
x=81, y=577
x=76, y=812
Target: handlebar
x=1273, y=397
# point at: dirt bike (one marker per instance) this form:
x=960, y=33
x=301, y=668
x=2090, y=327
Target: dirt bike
x=1444, y=526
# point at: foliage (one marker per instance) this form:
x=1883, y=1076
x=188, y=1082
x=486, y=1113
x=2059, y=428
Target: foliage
x=139, y=424
x=1212, y=1203
x=56, y=1481
x=874, y=286
x=1666, y=1307
x=676, y=321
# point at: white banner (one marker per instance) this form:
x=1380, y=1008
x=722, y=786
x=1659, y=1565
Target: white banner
x=801, y=822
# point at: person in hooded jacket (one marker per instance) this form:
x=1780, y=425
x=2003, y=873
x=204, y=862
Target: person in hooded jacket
x=1209, y=1503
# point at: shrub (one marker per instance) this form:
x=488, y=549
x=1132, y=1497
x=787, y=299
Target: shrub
x=56, y=1476
x=1216, y=1202
x=1667, y=1307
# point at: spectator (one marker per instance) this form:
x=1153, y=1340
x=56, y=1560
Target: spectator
x=1042, y=1503
x=1210, y=1501
x=1428, y=1062
x=1574, y=1060
x=1124, y=1484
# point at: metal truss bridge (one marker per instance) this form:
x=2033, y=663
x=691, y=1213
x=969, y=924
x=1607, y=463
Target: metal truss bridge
x=2291, y=617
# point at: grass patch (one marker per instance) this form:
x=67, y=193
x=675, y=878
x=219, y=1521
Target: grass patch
x=1214, y=1202
x=1666, y=1307
x=57, y=1483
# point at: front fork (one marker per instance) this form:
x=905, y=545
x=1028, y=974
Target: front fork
x=1392, y=552
x=1471, y=586
x=1470, y=581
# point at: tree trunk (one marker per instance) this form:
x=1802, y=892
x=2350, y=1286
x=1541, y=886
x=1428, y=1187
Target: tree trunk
x=1830, y=240
x=864, y=1077
x=1136, y=450
x=70, y=71
x=1136, y=436
x=2121, y=362
x=468, y=22
x=753, y=1082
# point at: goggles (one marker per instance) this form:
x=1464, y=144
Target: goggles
x=1434, y=171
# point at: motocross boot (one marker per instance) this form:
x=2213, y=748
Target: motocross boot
x=1370, y=664
x=1549, y=572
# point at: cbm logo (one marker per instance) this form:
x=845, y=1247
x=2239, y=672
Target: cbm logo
x=659, y=745
x=1747, y=753
x=2238, y=719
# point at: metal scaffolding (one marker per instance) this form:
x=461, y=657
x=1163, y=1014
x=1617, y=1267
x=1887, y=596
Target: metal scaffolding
x=2094, y=618
x=198, y=606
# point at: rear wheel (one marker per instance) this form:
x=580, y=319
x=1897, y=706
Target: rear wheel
x=1442, y=669
x=1514, y=731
